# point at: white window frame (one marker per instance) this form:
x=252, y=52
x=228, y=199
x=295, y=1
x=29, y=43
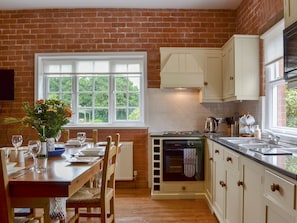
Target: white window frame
x=40, y=85
x=271, y=55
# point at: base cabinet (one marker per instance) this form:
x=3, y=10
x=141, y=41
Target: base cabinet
x=219, y=180
x=252, y=182
x=208, y=170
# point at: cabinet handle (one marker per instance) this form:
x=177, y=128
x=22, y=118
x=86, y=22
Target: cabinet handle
x=239, y=183
x=274, y=187
x=210, y=159
x=222, y=183
x=229, y=159
x=205, y=83
x=217, y=151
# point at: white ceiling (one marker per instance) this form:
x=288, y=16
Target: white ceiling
x=179, y=4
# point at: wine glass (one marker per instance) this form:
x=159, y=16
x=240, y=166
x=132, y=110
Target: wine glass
x=34, y=147
x=81, y=137
x=17, y=141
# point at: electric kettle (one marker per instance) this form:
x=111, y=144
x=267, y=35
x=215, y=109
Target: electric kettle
x=211, y=125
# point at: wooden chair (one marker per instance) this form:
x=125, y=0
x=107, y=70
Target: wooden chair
x=101, y=197
x=6, y=210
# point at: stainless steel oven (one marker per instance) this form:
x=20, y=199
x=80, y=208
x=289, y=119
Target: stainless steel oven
x=183, y=160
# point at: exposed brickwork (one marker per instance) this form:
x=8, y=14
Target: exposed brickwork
x=252, y=15
x=26, y=32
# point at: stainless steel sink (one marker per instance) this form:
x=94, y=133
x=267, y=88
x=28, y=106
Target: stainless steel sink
x=241, y=140
x=258, y=146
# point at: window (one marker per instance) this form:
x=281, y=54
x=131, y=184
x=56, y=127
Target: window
x=281, y=115
x=103, y=89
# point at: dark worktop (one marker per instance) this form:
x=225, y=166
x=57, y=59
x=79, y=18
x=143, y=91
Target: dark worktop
x=284, y=164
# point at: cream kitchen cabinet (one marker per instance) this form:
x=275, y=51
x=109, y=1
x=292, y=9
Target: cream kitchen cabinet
x=241, y=69
x=212, y=89
x=237, y=187
x=252, y=183
x=290, y=12
x=219, y=181
x=226, y=196
x=233, y=191
x=280, y=198
x=209, y=170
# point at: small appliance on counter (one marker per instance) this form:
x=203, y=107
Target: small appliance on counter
x=211, y=125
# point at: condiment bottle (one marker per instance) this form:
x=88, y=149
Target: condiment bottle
x=257, y=133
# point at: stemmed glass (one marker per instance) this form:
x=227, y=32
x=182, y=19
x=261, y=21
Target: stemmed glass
x=81, y=137
x=34, y=147
x=17, y=141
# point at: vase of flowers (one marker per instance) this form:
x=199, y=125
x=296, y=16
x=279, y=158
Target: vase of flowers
x=47, y=117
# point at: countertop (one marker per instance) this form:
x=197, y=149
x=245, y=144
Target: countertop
x=284, y=164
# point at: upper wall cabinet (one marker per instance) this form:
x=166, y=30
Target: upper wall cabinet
x=290, y=12
x=212, y=90
x=241, y=68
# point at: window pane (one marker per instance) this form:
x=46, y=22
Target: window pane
x=85, y=99
x=121, y=114
x=54, y=84
x=85, y=115
x=283, y=101
x=291, y=105
x=101, y=115
x=121, y=99
x=134, y=114
x=90, y=82
x=134, y=100
x=101, y=83
x=85, y=83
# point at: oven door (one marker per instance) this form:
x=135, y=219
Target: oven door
x=177, y=167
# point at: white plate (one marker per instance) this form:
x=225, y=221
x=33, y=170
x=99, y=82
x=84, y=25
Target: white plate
x=10, y=165
x=82, y=159
x=15, y=169
x=93, y=151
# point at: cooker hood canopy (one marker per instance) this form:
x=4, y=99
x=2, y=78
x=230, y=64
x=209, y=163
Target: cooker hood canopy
x=181, y=68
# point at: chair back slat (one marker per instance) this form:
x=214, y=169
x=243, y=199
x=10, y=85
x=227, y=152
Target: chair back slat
x=6, y=212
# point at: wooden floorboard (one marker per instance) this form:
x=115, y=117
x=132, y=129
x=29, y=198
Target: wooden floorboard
x=136, y=206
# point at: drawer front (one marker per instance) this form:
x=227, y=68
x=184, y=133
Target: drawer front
x=279, y=190
x=231, y=159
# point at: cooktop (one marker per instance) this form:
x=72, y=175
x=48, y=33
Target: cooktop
x=177, y=133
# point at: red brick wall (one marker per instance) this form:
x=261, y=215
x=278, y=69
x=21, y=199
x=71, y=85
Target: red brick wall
x=252, y=15
x=25, y=32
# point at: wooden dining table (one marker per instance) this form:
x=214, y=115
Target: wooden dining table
x=61, y=179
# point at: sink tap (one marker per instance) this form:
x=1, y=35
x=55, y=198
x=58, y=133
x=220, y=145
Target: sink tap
x=273, y=138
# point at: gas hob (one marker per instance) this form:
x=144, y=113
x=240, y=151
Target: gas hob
x=177, y=134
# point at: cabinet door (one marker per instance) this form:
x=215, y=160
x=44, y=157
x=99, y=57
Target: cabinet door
x=219, y=183
x=252, y=184
x=290, y=11
x=212, y=90
x=233, y=197
x=228, y=70
x=276, y=215
x=208, y=169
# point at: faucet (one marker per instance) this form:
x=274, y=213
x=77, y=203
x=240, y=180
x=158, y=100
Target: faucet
x=273, y=138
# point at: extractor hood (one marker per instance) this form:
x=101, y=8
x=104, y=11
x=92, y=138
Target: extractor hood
x=181, y=69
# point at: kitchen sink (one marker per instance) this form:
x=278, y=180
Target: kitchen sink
x=241, y=140
x=259, y=146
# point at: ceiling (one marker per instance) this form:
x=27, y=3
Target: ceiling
x=170, y=4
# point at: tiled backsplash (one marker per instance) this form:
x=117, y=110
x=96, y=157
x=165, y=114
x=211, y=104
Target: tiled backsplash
x=177, y=110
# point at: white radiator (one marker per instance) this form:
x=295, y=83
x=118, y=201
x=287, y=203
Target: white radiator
x=124, y=168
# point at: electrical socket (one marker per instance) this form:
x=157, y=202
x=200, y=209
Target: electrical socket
x=135, y=173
